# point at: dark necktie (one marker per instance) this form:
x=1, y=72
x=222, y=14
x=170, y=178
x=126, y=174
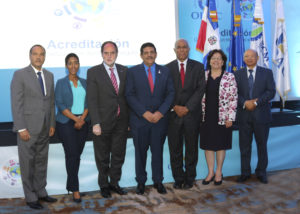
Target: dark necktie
x=182, y=74
x=41, y=82
x=250, y=82
x=150, y=80
x=115, y=84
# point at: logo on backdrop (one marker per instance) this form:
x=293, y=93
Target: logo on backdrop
x=11, y=173
x=82, y=11
x=247, y=9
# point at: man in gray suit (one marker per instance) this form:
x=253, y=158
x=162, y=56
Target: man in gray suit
x=109, y=115
x=189, y=83
x=32, y=99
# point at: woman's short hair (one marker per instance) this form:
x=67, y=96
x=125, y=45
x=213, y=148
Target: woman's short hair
x=211, y=53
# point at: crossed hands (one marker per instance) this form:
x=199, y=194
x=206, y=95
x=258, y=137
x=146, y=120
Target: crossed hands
x=79, y=122
x=250, y=104
x=152, y=117
x=181, y=110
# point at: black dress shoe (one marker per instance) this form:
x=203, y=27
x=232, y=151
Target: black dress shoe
x=243, y=178
x=117, y=189
x=77, y=200
x=205, y=182
x=263, y=179
x=188, y=185
x=105, y=192
x=160, y=188
x=48, y=199
x=177, y=185
x=140, y=189
x=35, y=205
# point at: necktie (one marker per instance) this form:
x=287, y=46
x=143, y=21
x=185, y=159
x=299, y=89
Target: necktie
x=182, y=74
x=115, y=84
x=250, y=82
x=150, y=80
x=41, y=82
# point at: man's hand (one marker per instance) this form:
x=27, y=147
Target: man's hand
x=180, y=110
x=250, y=105
x=51, y=131
x=148, y=116
x=228, y=124
x=156, y=117
x=97, y=130
x=24, y=135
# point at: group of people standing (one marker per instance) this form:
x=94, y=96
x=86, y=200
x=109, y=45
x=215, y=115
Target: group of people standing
x=153, y=102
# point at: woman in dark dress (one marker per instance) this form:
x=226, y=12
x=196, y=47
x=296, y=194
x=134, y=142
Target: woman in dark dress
x=71, y=120
x=219, y=109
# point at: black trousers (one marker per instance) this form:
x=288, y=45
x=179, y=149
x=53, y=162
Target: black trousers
x=73, y=141
x=178, y=136
x=110, y=150
x=261, y=134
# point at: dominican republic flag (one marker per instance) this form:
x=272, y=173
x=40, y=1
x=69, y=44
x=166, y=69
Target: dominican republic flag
x=209, y=37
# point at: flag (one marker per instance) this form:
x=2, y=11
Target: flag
x=280, y=54
x=236, y=48
x=209, y=37
x=258, y=39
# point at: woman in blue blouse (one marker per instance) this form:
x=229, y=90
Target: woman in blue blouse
x=71, y=118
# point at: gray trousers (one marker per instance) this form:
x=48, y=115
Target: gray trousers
x=33, y=159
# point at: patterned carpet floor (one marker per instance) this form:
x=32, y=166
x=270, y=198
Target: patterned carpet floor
x=280, y=195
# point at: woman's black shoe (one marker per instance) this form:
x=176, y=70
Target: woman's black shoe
x=204, y=182
x=217, y=183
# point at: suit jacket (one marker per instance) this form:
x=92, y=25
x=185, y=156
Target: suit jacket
x=102, y=99
x=139, y=96
x=64, y=97
x=30, y=108
x=192, y=92
x=263, y=89
x=227, y=98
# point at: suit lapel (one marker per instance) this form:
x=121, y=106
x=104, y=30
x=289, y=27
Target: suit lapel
x=258, y=77
x=144, y=77
x=121, y=74
x=47, y=82
x=244, y=77
x=188, y=73
x=106, y=78
x=35, y=81
x=176, y=75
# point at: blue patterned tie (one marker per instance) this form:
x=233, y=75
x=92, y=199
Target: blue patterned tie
x=41, y=82
x=250, y=82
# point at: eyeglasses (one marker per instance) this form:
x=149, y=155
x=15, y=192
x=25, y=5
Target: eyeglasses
x=216, y=58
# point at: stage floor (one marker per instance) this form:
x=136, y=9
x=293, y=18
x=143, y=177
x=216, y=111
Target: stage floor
x=280, y=195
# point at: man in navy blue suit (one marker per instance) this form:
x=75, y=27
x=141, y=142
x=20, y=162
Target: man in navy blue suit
x=149, y=93
x=256, y=88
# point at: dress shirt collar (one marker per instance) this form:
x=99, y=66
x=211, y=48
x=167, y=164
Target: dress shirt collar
x=36, y=70
x=184, y=62
x=253, y=73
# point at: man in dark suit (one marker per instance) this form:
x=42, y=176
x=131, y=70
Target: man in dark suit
x=32, y=101
x=149, y=93
x=189, y=83
x=256, y=88
x=109, y=115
